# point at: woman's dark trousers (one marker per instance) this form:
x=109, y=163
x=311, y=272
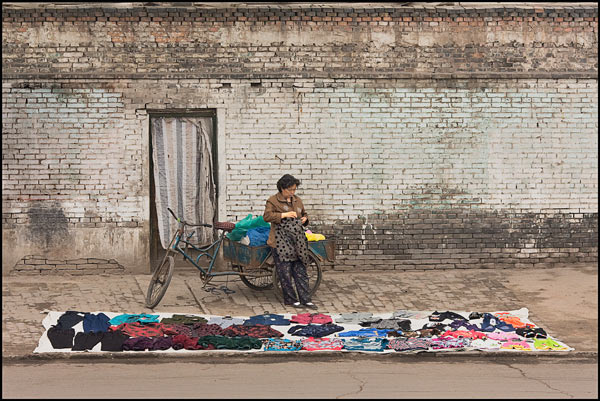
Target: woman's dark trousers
x=292, y=270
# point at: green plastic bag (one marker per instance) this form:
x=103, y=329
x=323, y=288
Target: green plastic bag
x=242, y=226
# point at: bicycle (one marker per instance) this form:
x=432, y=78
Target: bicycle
x=253, y=265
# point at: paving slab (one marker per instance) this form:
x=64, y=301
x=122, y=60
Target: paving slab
x=561, y=300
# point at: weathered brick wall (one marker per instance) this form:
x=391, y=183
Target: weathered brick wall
x=416, y=148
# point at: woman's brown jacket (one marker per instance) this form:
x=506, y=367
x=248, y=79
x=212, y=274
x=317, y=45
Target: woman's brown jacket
x=276, y=205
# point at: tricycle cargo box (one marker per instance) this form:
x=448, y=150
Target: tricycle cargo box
x=252, y=257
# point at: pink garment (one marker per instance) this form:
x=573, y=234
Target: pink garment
x=322, y=344
x=503, y=336
x=465, y=334
x=521, y=345
x=314, y=318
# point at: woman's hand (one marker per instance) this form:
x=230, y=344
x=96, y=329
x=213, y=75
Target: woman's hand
x=303, y=220
x=289, y=214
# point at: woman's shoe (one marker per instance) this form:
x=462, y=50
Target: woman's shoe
x=297, y=305
x=310, y=305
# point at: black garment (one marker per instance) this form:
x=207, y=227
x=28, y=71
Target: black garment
x=291, y=242
x=440, y=317
x=113, y=341
x=292, y=270
x=315, y=330
x=475, y=315
x=528, y=332
x=394, y=324
x=69, y=319
x=60, y=338
x=86, y=341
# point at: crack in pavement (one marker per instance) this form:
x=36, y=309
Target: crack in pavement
x=360, y=387
x=538, y=380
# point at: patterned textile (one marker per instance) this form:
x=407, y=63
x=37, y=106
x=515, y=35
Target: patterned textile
x=365, y=344
x=266, y=319
x=392, y=324
x=222, y=342
x=291, y=243
x=183, y=174
x=365, y=333
x=518, y=345
x=256, y=331
x=409, y=344
x=183, y=319
x=281, y=344
x=137, y=329
x=226, y=321
x=548, y=344
x=312, y=330
x=137, y=344
x=161, y=343
x=290, y=273
x=503, y=336
x=203, y=329
x=356, y=317
x=182, y=341
x=322, y=344
x=449, y=342
x=174, y=329
x=307, y=318
x=132, y=318
x=464, y=334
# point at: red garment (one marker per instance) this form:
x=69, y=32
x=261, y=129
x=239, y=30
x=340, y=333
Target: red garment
x=182, y=341
x=256, y=331
x=308, y=318
x=137, y=329
x=465, y=334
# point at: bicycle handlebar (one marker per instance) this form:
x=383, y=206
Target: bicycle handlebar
x=186, y=223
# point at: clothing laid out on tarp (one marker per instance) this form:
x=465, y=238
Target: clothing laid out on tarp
x=76, y=331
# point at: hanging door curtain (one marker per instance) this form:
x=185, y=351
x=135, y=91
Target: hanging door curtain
x=183, y=175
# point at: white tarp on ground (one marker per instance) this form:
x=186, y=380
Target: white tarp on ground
x=416, y=323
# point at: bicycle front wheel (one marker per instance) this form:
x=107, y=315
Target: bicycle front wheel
x=313, y=270
x=160, y=281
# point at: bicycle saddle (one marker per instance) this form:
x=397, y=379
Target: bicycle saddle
x=225, y=226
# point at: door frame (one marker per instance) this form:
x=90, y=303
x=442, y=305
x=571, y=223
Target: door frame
x=156, y=251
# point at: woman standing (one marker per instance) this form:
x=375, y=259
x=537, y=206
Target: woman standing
x=285, y=211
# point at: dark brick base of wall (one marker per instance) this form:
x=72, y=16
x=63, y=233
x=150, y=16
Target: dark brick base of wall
x=42, y=264
x=443, y=239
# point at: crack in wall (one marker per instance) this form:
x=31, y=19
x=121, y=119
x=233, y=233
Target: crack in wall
x=538, y=380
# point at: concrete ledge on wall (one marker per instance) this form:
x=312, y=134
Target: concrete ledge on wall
x=82, y=251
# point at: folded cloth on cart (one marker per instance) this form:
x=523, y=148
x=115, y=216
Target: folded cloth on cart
x=258, y=236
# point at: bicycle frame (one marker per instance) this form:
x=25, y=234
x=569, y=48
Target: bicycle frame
x=178, y=239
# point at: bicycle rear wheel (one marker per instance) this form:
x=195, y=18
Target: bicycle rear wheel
x=262, y=279
x=313, y=270
x=160, y=281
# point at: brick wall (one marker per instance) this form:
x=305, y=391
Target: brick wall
x=449, y=152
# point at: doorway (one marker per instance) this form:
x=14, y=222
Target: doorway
x=183, y=176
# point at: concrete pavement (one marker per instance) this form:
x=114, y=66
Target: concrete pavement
x=564, y=301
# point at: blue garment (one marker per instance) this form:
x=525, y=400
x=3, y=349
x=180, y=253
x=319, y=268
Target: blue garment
x=267, y=319
x=95, y=323
x=258, y=236
x=129, y=318
x=282, y=344
x=365, y=333
x=315, y=330
x=365, y=344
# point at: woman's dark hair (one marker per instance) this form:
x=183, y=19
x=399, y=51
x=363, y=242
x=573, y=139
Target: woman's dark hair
x=287, y=181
